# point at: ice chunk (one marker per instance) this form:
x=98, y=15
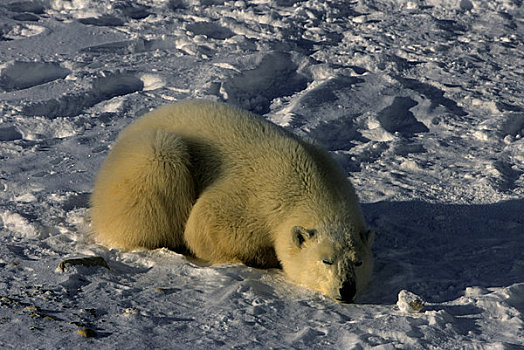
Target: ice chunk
x=409, y=302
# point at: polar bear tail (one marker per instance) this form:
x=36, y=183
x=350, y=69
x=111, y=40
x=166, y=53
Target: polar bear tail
x=144, y=192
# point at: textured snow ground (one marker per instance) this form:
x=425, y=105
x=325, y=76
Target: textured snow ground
x=420, y=101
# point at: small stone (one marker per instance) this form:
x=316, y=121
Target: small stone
x=7, y=300
x=409, y=302
x=77, y=323
x=131, y=311
x=48, y=317
x=87, y=333
x=87, y=261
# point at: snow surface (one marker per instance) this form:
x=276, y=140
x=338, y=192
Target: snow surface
x=420, y=101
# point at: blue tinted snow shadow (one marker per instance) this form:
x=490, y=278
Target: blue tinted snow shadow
x=437, y=250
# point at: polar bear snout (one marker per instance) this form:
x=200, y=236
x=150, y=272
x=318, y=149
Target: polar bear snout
x=347, y=291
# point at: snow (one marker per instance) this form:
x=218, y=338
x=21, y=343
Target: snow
x=421, y=102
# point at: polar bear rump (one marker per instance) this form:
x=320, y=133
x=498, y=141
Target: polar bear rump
x=225, y=186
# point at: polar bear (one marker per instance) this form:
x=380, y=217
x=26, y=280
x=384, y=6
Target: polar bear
x=226, y=186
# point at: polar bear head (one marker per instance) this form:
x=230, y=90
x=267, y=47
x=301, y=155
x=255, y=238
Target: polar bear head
x=330, y=259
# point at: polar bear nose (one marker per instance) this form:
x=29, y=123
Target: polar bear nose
x=348, y=291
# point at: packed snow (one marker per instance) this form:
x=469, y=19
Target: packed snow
x=421, y=102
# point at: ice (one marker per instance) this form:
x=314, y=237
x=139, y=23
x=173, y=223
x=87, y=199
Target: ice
x=409, y=302
x=421, y=102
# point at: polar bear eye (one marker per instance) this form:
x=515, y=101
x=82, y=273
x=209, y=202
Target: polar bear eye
x=327, y=262
x=358, y=263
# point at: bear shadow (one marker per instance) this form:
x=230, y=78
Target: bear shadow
x=437, y=250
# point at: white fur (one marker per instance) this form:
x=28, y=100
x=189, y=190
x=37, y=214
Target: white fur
x=227, y=186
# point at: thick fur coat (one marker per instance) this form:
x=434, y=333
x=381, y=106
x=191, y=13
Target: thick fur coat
x=226, y=186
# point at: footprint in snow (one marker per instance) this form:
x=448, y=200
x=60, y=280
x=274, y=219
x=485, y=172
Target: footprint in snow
x=508, y=175
x=25, y=17
x=10, y=31
x=23, y=75
x=22, y=11
x=102, y=89
x=124, y=11
x=131, y=46
x=434, y=94
x=9, y=133
x=210, y=29
x=337, y=134
x=514, y=125
x=326, y=100
x=275, y=76
x=35, y=7
x=397, y=118
x=103, y=21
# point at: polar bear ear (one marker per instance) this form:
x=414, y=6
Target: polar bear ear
x=368, y=237
x=301, y=234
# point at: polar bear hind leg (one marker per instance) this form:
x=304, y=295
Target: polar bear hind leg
x=144, y=192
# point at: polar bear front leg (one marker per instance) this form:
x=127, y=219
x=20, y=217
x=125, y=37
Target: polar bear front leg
x=205, y=234
x=221, y=229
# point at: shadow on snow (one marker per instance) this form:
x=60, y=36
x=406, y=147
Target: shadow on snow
x=437, y=250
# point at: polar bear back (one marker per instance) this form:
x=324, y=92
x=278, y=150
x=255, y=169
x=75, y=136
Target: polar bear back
x=229, y=129
x=228, y=141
